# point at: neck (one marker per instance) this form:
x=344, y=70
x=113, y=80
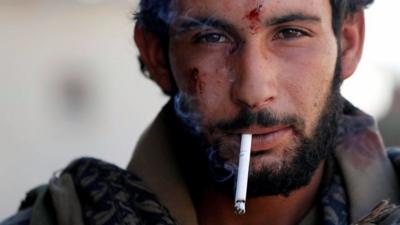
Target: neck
x=216, y=208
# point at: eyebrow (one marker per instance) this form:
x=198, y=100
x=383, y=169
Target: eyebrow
x=205, y=22
x=290, y=18
x=221, y=24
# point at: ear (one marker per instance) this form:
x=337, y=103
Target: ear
x=352, y=41
x=153, y=56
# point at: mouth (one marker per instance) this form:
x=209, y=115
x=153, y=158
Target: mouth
x=268, y=138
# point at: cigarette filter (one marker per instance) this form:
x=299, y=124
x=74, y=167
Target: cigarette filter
x=243, y=173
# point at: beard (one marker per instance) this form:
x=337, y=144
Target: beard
x=299, y=160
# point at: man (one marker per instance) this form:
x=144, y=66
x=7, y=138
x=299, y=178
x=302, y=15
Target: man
x=269, y=68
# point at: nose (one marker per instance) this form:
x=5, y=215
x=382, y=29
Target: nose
x=255, y=85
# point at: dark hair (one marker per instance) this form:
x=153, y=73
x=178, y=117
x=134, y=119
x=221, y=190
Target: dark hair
x=154, y=14
x=343, y=8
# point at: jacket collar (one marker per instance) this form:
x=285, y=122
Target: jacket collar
x=368, y=172
x=154, y=161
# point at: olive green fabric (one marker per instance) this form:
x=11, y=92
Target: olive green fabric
x=65, y=201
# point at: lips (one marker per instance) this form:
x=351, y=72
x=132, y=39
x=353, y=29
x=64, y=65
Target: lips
x=269, y=138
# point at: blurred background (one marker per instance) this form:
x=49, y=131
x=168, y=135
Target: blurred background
x=70, y=86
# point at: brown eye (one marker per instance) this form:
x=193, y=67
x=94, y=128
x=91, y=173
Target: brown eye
x=212, y=38
x=289, y=34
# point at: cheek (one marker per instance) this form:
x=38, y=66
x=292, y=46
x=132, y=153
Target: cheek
x=207, y=82
x=308, y=86
x=211, y=88
x=195, y=82
x=196, y=72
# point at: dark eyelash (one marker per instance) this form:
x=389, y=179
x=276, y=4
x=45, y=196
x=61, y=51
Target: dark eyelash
x=202, y=36
x=297, y=33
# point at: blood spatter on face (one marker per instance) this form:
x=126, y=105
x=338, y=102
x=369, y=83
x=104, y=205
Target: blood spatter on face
x=253, y=17
x=196, y=84
x=194, y=79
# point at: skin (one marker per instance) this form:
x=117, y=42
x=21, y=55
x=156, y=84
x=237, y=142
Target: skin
x=247, y=66
x=259, y=63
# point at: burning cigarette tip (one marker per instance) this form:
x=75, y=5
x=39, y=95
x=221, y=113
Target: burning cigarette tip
x=240, y=207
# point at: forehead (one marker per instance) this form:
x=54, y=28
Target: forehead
x=238, y=9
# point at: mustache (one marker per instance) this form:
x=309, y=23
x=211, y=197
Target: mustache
x=264, y=118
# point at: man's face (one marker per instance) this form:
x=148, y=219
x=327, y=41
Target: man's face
x=252, y=66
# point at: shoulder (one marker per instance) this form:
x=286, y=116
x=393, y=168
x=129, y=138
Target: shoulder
x=89, y=189
x=36, y=206
x=105, y=189
x=21, y=218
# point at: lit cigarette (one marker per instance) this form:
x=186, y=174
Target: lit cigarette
x=243, y=173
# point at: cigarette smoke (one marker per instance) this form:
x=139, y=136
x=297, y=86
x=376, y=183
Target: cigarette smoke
x=183, y=105
x=219, y=169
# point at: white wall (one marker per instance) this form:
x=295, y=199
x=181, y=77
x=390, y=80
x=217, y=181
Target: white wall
x=44, y=122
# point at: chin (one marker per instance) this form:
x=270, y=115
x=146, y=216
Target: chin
x=260, y=163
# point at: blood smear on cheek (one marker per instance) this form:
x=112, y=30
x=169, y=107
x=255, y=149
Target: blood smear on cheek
x=196, y=84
